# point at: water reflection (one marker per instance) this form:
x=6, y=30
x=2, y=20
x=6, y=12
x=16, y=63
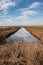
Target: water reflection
x=22, y=35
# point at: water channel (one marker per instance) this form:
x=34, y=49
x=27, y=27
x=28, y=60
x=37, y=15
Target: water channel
x=22, y=35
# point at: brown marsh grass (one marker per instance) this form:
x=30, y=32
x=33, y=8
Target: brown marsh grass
x=5, y=32
x=20, y=53
x=36, y=31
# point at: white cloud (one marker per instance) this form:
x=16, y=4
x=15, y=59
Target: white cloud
x=35, y=4
x=29, y=12
x=22, y=17
x=5, y=4
x=26, y=14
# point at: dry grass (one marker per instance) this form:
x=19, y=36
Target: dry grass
x=20, y=53
x=36, y=31
x=5, y=32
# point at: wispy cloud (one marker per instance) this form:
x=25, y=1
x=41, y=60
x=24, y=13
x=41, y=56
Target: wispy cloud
x=23, y=16
x=5, y=4
x=35, y=4
x=26, y=12
x=29, y=12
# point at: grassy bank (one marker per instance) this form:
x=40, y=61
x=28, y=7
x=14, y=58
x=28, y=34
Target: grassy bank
x=5, y=32
x=20, y=53
x=36, y=31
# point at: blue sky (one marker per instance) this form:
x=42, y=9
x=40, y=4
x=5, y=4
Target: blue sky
x=21, y=12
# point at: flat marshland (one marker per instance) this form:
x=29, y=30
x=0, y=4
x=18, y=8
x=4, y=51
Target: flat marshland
x=21, y=53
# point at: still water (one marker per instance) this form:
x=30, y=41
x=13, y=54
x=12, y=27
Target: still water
x=22, y=35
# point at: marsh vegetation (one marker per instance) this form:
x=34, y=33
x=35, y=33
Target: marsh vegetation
x=21, y=52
